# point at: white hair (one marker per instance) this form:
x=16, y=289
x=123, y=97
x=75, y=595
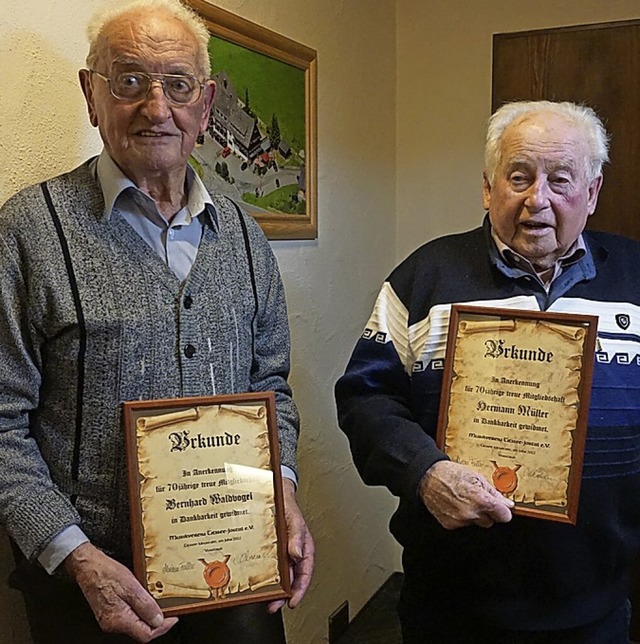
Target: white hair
x=175, y=8
x=583, y=118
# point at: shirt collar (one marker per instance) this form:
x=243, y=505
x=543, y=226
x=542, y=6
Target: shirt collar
x=114, y=183
x=574, y=253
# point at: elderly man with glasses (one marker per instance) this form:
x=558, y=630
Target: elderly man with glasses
x=125, y=280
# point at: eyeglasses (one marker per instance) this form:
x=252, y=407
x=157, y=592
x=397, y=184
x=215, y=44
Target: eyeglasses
x=134, y=86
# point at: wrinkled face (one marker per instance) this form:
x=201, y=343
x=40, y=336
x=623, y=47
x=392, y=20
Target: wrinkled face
x=150, y=137
x=540, y=197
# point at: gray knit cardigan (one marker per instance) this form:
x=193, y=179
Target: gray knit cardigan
x=90, y=316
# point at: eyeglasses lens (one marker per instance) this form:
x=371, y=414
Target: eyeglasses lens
x=134, y=86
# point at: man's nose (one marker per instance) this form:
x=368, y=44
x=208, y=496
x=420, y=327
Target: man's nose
x=537, y=195
x=156, y=105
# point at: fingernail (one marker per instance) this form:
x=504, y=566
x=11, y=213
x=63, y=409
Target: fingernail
x=156, y=621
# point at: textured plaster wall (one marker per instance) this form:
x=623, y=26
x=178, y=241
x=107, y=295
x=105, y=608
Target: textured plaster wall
x=444, y=98
x=330, y=283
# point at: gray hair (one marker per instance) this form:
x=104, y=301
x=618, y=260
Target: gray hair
x=175, y=8
x=583, y=118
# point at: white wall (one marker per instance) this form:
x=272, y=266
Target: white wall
x=331, y=282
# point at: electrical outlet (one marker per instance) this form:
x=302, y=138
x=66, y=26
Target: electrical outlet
x=338, y=622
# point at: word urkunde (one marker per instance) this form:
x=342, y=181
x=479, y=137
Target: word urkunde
x=497, y=349
x=180, y=441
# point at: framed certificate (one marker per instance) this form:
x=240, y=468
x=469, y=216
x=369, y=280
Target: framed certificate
x=515, y=402
x=206, y=501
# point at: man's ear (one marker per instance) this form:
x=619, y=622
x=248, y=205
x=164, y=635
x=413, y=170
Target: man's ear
x=209, y=91
x=486, y=191
x=84, y=75
x=594, y=191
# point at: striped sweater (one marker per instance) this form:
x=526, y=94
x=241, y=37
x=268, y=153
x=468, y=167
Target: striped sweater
x=90, y=316
x=550, y=575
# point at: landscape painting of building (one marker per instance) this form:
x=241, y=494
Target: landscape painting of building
x=254, y=147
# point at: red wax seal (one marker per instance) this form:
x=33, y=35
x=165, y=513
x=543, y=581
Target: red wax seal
x=505, y=479
x=216, y=574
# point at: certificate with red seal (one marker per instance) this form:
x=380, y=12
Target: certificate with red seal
x=206, y=501
x=515, y=401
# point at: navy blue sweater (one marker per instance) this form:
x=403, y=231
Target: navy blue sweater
x=529, y=573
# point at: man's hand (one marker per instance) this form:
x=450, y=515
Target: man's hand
x=119, y=602
x=300, y=547
x=457, y=496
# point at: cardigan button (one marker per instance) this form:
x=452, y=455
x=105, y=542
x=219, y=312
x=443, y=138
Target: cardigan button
x=189, y=351
x=188, y=301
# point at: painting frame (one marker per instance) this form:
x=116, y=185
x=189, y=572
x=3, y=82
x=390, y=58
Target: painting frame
x=238, y=31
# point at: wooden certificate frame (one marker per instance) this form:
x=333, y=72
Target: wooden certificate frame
x=261, y=145
x=207, y=509
x=515, y=403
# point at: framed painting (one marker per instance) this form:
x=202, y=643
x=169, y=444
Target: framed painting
x=260, y=146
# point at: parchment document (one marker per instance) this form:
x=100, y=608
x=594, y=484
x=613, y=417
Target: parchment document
x=208, y=506
x=513, y=406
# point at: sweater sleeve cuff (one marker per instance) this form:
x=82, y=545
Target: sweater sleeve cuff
x=418, y=467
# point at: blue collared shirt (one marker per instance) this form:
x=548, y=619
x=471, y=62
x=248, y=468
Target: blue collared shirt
x=574, y=266
x=177, y=241
x=574, y=253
